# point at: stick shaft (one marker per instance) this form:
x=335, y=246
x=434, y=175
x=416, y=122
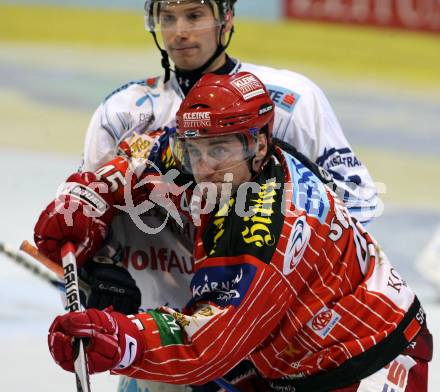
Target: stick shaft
x=35, y=269
x=73, y=304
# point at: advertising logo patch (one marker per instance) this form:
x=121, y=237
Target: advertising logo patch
x=196, y=120
x=283, y=98
x=219, y=224
x=153, y=82
x=392, y=377
x=169, y=329
x=223, y=285
x=264, y=109
x=323, y=322
x=257, y=227
x=130, y=352
x=297, y=245
x=85, y=194
x=309, y=193
x=338, y=156
x=202, y=316
x=248, y=86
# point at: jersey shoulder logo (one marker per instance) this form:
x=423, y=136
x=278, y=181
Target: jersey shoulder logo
x=153, y=82
x=283, y=98
x=309, y=193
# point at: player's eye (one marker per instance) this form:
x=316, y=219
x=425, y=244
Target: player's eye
x=167, y=19
x=194, y=153
x=218, y=153
x=194, y=16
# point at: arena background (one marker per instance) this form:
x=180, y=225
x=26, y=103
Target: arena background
x=58, y=60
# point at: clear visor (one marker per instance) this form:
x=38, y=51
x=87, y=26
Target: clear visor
x=181, y=15
x=220, y=153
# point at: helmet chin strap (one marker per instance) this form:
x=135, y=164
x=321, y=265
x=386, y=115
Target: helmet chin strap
x=166, y=59
x=165, y=62
x=255, y=173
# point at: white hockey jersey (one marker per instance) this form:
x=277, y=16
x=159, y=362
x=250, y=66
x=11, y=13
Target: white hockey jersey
x=160, y=263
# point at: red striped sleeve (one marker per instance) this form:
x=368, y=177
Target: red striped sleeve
x=207, y=347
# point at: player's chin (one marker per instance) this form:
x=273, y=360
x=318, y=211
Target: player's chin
x=210, y=188
x=187, y=62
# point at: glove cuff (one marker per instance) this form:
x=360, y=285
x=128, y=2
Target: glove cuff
x=130, y=341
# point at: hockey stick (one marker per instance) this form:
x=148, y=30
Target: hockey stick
x=74, y=305
x=33, y=268
x=32, y=251
x=70, y=275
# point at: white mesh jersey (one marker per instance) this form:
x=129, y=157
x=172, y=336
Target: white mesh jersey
x=160, y=264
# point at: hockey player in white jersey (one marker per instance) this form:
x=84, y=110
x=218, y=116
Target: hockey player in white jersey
x=194, y=34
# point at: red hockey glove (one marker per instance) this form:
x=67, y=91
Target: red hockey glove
x=112, y=340
x=80, y=214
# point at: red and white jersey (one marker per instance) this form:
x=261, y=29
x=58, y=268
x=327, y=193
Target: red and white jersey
x=303, y=117
x=297, y=287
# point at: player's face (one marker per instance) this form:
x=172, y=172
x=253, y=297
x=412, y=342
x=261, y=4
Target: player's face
x=212, y=158
x=190, y=33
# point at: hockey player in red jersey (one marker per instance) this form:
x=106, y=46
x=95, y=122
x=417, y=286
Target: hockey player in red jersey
x=193, y=36
x=284, y=278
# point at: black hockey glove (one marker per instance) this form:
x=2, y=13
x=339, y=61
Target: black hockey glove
x=104, y=282
x=110, y=284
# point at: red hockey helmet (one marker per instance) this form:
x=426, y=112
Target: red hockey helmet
x=224, y=105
